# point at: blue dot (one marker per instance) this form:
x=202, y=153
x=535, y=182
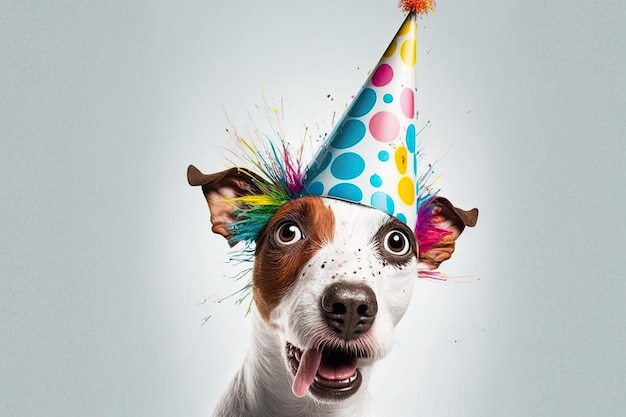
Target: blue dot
x=410, y=138
x=383, y=202
x=387, y=98
x=346, y=191
x=347, y=166
x=317, y=188
x=350, y=133
x=402, y=218
x=376, y=181
x=363, y=103
x=383, y=156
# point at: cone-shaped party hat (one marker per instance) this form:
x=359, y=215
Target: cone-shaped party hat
x=371, y=156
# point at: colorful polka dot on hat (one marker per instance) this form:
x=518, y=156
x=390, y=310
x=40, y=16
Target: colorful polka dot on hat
x=370, y=157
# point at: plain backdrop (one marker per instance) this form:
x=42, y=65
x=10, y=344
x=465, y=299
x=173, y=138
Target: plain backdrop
x=108, y=268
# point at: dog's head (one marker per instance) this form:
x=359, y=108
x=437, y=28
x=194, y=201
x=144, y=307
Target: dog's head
x=331, y=278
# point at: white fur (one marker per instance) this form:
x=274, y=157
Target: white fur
x=262, y=387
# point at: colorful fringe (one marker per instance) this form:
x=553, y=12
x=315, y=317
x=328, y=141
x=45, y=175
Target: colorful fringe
x=281, y=171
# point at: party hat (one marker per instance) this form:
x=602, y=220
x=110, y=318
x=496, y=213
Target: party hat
x=371, y=156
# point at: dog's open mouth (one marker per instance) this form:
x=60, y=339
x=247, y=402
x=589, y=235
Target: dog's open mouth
x=329, y=374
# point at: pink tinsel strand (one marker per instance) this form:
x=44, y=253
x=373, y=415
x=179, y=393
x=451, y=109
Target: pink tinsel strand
x=293, y=174
x=426, y=231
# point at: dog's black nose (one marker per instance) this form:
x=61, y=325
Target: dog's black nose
x=349, y=309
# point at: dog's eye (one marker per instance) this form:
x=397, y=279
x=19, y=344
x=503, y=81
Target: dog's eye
x=397, y=243
x=288, y=233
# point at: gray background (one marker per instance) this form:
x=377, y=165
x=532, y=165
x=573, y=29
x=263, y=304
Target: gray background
x=108, y=266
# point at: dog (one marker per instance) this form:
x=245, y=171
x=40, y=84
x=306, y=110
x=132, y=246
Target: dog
x=330, y=281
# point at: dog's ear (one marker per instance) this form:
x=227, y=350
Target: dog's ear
x=452, y=219
x=221, y=187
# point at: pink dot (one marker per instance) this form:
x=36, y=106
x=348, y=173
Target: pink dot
x=384, y=126
x=383, y=75
x=407, y=101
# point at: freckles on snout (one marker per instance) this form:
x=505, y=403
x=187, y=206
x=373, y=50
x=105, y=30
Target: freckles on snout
x=276, y=266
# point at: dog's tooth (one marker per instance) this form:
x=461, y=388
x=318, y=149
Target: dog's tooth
x=349, y=380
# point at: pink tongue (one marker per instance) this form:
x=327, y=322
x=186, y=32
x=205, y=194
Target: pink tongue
x=337, y=372
x=309, y=363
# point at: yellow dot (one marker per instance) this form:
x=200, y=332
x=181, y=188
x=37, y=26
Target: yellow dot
x=406, y=27
x=390, y=49
x=401, y=159
x=406, y=191
x=407, y=52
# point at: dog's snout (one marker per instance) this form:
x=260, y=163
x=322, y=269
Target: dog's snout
x=349, y=309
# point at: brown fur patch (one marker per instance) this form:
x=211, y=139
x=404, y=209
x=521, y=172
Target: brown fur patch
x=276, y=267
